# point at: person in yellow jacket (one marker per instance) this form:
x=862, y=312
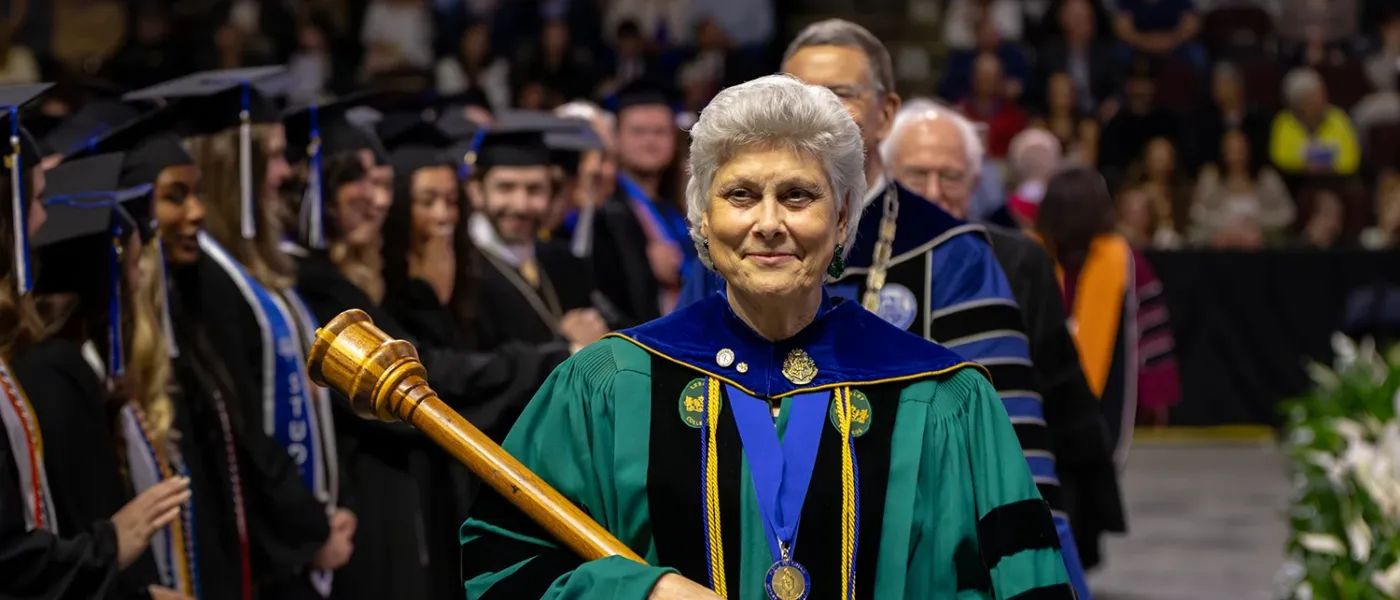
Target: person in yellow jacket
x=1312, y=136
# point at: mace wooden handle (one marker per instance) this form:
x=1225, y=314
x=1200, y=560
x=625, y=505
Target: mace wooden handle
x=384, y=380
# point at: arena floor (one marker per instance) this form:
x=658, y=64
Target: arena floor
x=1205, y=524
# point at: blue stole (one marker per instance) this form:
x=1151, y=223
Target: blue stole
x=288, y=414
x=666, y=218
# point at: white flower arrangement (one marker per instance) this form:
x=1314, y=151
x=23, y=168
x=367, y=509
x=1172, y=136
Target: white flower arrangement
x=1344, y=442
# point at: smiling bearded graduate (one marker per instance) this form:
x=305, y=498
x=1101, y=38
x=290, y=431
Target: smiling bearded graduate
x=704, y=439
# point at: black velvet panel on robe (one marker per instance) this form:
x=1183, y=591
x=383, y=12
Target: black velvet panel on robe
x=286, y=524
x=80, y=457
x=417, y=494
x=39, y=564
x=620, y=261
x=1079, y=433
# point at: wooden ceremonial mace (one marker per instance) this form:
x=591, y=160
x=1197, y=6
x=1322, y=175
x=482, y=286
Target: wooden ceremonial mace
x=384, y=380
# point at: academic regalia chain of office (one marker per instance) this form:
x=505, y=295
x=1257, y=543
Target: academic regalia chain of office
x=940, y=280
x=649, y=432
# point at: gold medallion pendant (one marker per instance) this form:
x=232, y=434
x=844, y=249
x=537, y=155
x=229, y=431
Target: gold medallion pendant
x=787, y=580
x=799, y=368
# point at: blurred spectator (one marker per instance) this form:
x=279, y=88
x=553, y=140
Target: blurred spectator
x=398, y=36
x=1087, y=59
x=475, y=66
x=1128, y=131
x=1160, y=28
x=311, y=65
x=709, y=67
x=1034, y=157
x=151, y=55
x=1136, y=220
x=631, y=59
x=1226, y=110
x=452, y=18
x=252, y=32
x=662, y=23
x=566, y=70
x=957, y=78
x=86, y=33
x=1323, y=228
x=748, y=24
x=1383, y=104
x=1076, y=129
x=1239, y=202
x=1311, y=136
x=1168, y=190
x=1385, y=235
x=961, y=21
x=1317, y=28
x=17, y=63
x=988, y=104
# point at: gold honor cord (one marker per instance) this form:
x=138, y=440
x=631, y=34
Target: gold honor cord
x=884, y=246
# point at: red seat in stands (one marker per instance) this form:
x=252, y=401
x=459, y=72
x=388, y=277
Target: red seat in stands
x=1263, y=84
x=1238, y=32
x=1178, y=87
x=1346, y=83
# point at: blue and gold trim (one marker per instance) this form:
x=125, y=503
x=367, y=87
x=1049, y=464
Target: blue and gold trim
x=849, y=346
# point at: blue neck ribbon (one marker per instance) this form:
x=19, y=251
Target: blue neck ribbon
x=781, y=470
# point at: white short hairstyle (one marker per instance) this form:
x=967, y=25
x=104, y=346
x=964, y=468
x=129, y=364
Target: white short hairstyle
x=1300, y=82
x=588, y=111
x=777, y=110
x=919, y=110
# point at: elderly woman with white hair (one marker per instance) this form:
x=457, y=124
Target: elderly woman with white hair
x=703, y=439
x=1312, y=137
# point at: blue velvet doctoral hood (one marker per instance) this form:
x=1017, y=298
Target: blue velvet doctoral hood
x=920, y=223
x=848, y=344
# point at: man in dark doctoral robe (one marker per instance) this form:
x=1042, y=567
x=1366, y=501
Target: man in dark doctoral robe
x=933, y=150
x=919, y=267
x=534, y=292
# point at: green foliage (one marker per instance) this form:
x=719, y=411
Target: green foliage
x=1343, y=446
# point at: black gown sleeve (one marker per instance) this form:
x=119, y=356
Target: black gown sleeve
x=38, y=564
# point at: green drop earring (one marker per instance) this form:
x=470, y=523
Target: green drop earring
x=838, y=262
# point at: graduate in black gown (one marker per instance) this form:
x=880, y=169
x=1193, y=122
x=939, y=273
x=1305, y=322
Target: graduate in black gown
x=68, y=525
x=535, y=292
x=242, y=479
x=391, y=467
x=259, y=326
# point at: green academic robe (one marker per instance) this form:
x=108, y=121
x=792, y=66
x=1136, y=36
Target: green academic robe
x=947, y=507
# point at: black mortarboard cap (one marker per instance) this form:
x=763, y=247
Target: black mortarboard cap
x=84, y=234
x=519, y=139
x=336, y=131
x=314, y=132
x=402, y=129
x=20, y=154
x=568, y=146
x=457, y=126
x=214, y=101
x=86, y=126
x=643, y=92
x=147, y=143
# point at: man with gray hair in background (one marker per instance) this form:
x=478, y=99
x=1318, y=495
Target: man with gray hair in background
x=927, y=137
x=921, y=268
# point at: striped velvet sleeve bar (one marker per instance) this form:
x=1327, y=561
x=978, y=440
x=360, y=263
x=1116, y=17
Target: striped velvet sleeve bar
x=976, y=315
